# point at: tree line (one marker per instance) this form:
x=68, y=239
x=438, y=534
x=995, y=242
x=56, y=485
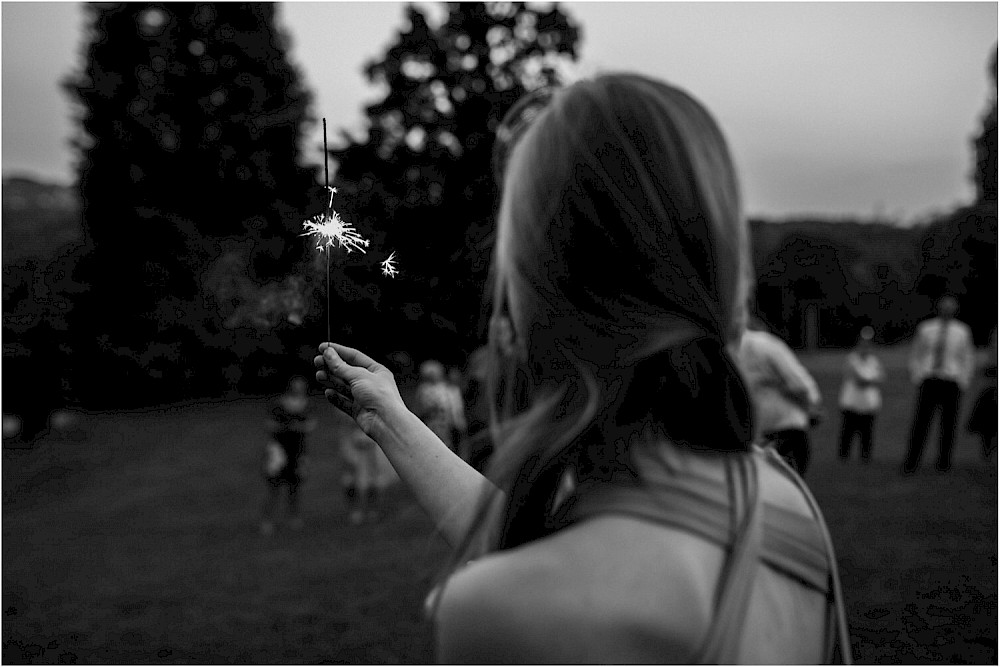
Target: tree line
x=190, y=277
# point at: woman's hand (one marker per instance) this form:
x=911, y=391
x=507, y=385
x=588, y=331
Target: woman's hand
x=448, y=488
x=358, y=385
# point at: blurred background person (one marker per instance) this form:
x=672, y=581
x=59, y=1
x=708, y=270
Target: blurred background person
x=860, y=396
x=366, y=473
x=941, y=364
x=288, y=423
x=459, y=424
x=478, y=443
x=785, y=396
x=434, y=401
x=983, y=419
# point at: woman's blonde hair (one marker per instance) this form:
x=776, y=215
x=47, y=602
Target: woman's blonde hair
x=619, y=277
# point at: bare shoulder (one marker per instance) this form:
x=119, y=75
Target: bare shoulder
x=579, y=597
x=484, y=611
x=782, y=492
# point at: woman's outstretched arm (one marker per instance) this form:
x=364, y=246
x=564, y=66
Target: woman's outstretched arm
x=446, y=487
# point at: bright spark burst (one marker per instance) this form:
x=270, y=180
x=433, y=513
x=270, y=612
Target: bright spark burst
x=389, y=266
x=331, y=231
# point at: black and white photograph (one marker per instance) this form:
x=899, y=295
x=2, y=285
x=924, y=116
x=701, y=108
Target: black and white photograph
x=499, y=333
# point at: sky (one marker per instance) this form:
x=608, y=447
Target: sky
x=831, y=109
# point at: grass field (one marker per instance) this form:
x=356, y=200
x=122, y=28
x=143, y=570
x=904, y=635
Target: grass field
x=136, y=542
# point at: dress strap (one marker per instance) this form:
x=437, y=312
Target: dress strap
x=736, y=584
x=839, y=635
x=791, y=543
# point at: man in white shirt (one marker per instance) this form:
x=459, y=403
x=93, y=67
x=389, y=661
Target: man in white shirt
x=941, y=364
x=785, y=397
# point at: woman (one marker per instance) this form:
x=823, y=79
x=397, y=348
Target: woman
x=860, y=396
x=619, y=269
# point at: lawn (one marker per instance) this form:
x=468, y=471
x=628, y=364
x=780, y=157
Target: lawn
x=135, y=541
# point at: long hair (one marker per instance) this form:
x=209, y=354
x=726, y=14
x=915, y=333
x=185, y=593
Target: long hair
x=619, y=278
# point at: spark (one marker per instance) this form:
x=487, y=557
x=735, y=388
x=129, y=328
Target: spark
x=331, y=231
x=389, y=266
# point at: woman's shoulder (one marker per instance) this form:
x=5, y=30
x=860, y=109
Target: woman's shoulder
x=579, y=596
x=778, y=487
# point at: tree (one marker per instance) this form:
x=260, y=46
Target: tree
x=985, y=175
x=960, y=249
x=421, y=183
x=190, y=120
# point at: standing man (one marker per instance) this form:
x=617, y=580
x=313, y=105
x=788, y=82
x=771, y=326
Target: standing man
x=785, y=397
x=941, y=365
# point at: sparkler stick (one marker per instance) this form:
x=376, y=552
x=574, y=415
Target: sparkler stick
x=329, y=207
x=331, y=230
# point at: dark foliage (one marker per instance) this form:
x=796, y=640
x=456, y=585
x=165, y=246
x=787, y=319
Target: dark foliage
x=421, y=182
x=960, y=258
x=190, y=120
x=985, y=173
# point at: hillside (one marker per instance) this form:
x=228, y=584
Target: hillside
x=38, y=219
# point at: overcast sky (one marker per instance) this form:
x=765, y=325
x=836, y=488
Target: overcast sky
x=831, y=109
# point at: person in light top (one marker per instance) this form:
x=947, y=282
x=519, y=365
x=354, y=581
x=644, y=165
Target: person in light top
x=785, y=396
x=860, y=396
x=942, y=360
x=365, y=475
x=434, y=401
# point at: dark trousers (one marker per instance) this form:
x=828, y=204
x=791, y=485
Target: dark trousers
x=862, y=425
x=793, y=446
x=932, y=395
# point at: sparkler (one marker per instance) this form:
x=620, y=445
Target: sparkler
x=389, y=265
x=332, y=231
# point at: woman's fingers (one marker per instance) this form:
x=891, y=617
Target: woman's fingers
x=341, y=368
x=340, y=401
x=333, y=383
x=352, y=356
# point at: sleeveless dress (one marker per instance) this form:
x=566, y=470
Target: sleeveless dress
x=755, y=534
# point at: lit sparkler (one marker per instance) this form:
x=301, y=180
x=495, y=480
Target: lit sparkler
x=389, y=265
x=331, y=231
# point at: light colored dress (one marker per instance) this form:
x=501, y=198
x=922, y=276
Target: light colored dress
x=365, y=466
x=779, y=563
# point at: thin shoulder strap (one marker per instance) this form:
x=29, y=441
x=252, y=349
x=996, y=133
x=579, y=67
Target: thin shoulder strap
x=724, y=639
x=840, y=636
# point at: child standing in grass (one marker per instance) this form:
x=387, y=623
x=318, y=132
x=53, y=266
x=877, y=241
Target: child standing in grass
x=366, y=473
x=288, y=422
x=860, y=396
